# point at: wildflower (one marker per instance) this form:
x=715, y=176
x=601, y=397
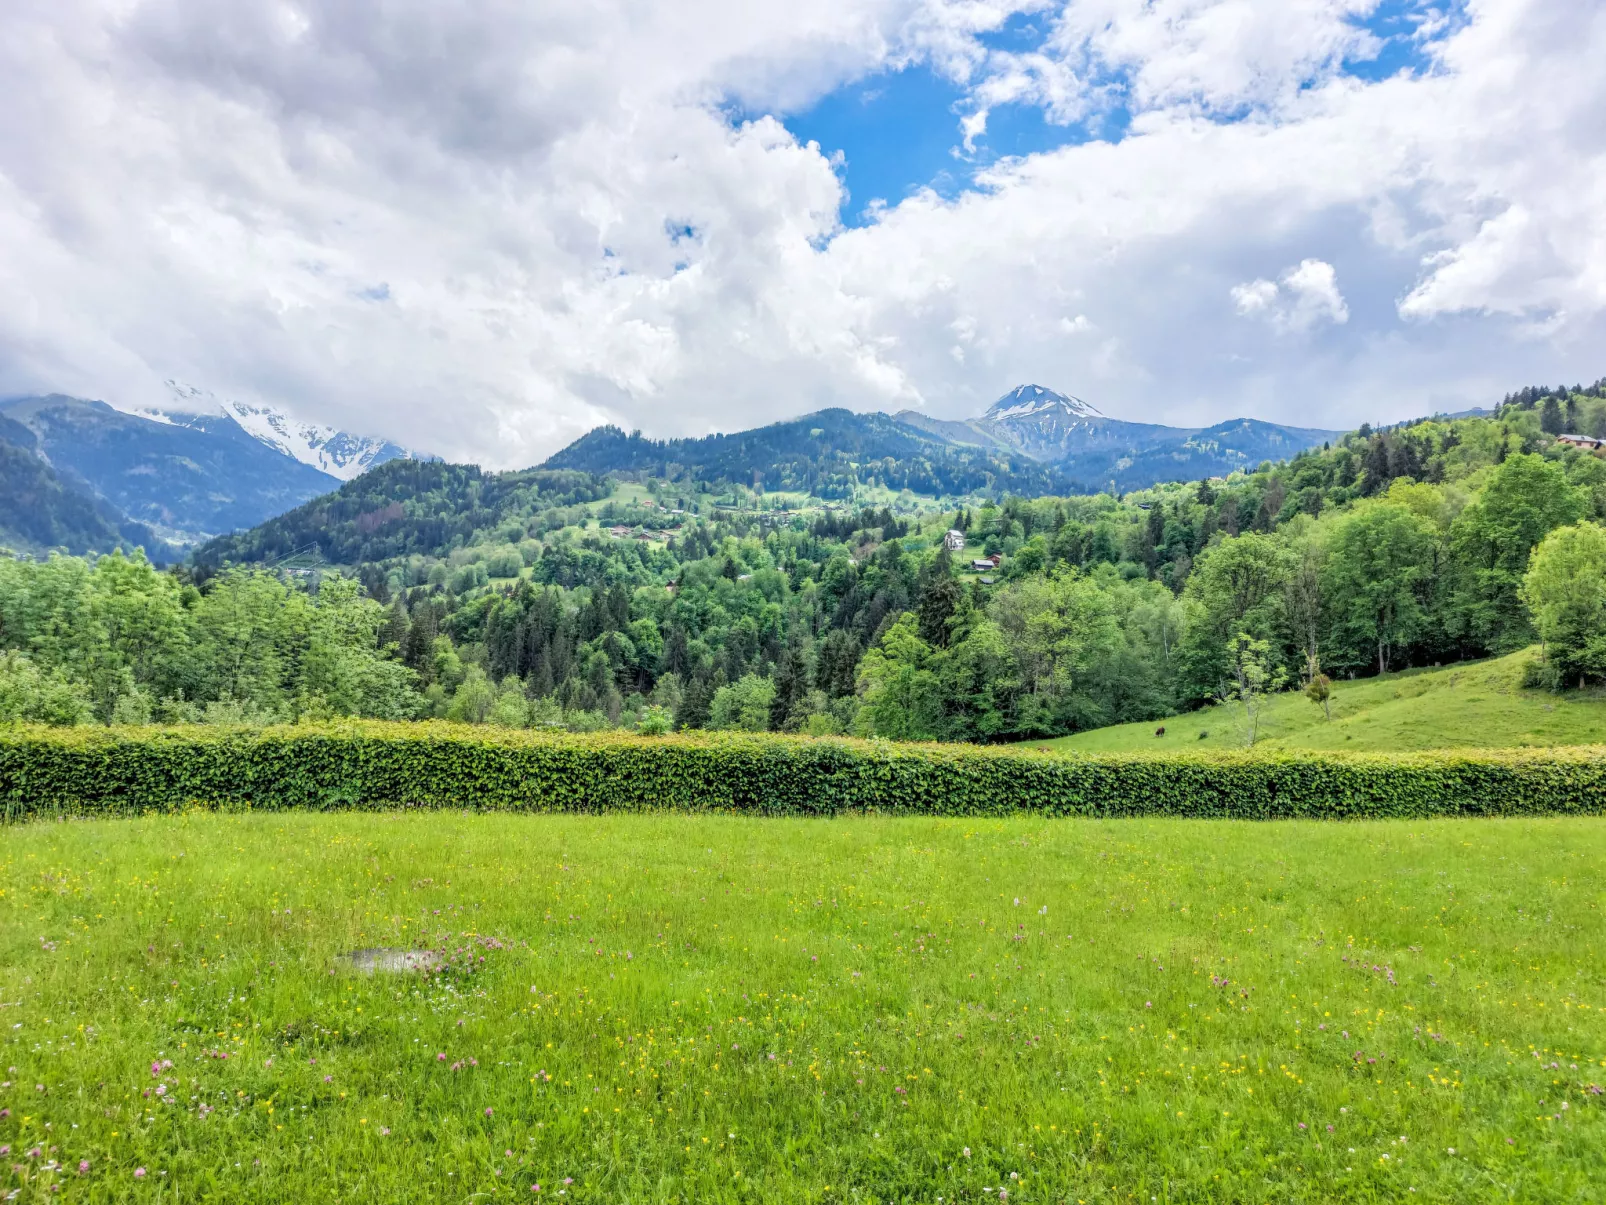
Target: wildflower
x=487, y=1112
x=161, y=1089
x=441, y=1057
x=139, y=1173
x=83, y=1167
x=967, y=1152
x=384, y=1131
x=1449, y=1150
x=328, y=1079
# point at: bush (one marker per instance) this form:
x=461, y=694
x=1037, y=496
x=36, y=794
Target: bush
x=31, y=695
x=744, y=704
x=379, y=765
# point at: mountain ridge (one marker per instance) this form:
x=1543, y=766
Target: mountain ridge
x=328, y=449
x=1071, y=443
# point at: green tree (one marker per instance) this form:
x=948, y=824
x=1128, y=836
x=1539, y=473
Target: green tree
x=30, y=695
x=1252, y=675
x=901, y=695
x=1380, y=563
x=1490, y=542
x=743, y=705
x=1056, y=628
x=1236, y=586
x=1565, y=591
x=473, y=700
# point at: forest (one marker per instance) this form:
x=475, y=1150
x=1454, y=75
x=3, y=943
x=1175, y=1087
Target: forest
x=545, y=600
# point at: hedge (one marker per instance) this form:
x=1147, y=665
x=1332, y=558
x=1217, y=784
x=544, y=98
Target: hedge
x=45, y=771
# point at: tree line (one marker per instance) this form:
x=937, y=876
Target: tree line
x=1422, y=543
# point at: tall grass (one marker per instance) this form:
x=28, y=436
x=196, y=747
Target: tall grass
x=697, y=1009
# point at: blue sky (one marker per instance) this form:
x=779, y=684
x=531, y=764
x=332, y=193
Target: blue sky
x=484, y=253
x=898, y=131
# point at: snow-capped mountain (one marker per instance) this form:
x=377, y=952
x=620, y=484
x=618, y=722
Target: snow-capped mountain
x=326, y=448
x=1027, y=401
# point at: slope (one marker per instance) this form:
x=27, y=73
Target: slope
x=1240, y=443
x=402, y=508
x=185, y=482
x=40, y=511
x=1467, y=705
x=327, y=449
x=827, y=454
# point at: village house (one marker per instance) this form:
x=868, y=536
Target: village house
x=1581, y=441
x=986, y=564
x=954, y=541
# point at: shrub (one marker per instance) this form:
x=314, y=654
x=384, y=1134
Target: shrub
x=378, y=765
x=31, y=695
x=744, y=704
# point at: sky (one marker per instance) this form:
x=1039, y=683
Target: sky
x=482, y=228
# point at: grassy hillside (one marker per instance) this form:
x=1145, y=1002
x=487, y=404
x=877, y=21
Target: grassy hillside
x=719, y=1010
x=1474, y=703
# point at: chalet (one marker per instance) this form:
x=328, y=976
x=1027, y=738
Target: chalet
x=1581, y=441
x=618, y=533
x=986, y=564
x=954, y=541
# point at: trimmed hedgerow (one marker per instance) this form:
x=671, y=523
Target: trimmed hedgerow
x=373, y=765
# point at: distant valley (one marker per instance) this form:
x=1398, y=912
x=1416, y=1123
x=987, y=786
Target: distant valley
x=83, y=476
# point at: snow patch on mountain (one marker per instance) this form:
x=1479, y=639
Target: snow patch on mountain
x=1025, y=401
x=325, y=448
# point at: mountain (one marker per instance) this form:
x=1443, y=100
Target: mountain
x=39, y=510
x=1241, y=443
x=1048, y=426
x=402, y=508
x=1031, y=441
x=325, y=448
x=826, y=454
x=1108, y=453
x=186, y=482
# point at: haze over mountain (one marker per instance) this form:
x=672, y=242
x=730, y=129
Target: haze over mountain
x=1033, y=440
x=319, y=445
x=81, y=474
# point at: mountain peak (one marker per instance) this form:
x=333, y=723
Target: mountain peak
x=318, y=445
x=1026, y=401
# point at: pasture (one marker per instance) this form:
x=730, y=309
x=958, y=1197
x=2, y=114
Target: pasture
x=714, y=1008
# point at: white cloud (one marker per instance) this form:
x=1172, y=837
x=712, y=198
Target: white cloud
x=1306, y=297
x=484, y=227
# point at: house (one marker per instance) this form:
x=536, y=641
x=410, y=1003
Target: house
x=986, y=564
x=986, y=581
x=954, y=541
x=1581, y=441
x=618, y=533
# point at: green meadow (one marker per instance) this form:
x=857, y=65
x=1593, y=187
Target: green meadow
x=710, y=1009
x=1472, y=704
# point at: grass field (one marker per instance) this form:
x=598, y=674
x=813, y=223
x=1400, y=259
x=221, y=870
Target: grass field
x=727, y=1009
x=1472, y=704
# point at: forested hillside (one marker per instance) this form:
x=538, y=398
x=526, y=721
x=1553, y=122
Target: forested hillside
x=533, y=598
x=39, y=510
x=827, y=454
x=404, y=508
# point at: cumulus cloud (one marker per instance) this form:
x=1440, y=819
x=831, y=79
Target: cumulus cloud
x=482, y=228
x=1306, y=296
